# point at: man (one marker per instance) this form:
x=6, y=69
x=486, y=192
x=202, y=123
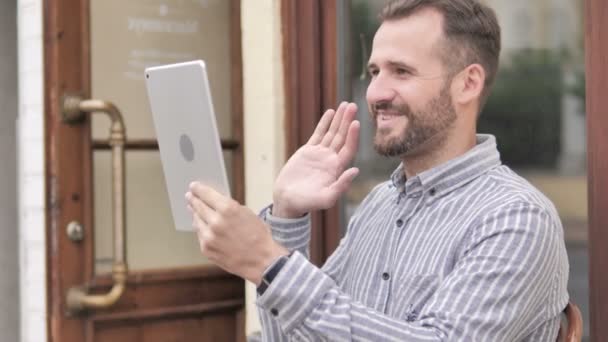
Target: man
x=455, y=246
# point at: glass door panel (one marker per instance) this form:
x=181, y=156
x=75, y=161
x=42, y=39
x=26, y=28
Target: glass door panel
x=127, y=37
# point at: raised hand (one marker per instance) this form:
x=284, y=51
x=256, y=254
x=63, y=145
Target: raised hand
x=316, y=175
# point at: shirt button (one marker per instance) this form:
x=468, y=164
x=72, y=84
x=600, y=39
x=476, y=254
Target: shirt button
x=274, y=312
x=399, y=222
x=386, y=276
x=432, y=192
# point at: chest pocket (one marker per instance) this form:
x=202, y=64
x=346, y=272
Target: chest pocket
x=411, y=294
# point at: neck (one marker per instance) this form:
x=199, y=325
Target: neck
x=439, y=151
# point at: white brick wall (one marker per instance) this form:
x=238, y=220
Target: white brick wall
x=31, y=173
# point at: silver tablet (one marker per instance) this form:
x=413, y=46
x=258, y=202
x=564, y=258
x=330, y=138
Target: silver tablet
x=186, y=129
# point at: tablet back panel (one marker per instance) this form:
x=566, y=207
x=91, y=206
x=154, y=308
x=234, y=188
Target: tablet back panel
x=186, y=129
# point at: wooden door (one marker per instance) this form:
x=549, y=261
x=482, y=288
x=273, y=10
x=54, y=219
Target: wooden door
x=166, y=298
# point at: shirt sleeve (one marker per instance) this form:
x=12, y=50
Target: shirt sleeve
x=293, y=234
x=502, y=288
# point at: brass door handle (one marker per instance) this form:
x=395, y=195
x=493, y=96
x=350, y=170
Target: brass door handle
x=73, y=109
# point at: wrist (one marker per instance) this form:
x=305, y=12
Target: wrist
x=266, y=259
x=271, y=273
x=284, y=212
x=281, y=207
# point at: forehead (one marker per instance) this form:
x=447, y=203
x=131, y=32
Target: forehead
x=412, y=40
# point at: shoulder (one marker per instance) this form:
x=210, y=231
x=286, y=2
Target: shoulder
x=506, y=206
x=509, y=190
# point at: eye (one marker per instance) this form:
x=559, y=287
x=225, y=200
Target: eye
x=373, y=72
x=402, y=72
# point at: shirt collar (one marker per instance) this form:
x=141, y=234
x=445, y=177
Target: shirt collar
x=452, y=174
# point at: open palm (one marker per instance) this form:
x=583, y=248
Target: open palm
x=316, y=175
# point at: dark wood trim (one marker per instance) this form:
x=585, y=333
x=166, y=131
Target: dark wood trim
x=152, y=145
x=88, y=204
x=66, y=69
x=181, y=311
x=207, y=272
x=329, y=67
x=329, y=40
x=303, y=95
x=596, y=29
x=236, y=78
x=310, y=68
x=302, y=68
x=152, y=295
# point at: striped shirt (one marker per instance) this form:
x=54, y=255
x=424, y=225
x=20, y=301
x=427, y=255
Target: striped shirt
x=466, y=251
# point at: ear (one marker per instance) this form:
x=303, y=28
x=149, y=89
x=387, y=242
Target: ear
x=468, y=85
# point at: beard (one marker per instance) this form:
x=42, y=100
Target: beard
x=429, y=125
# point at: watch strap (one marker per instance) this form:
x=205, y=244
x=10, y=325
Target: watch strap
x=271, y=273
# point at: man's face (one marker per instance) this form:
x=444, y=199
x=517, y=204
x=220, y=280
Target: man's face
x=409, y=93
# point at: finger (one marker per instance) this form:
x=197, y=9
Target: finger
x=349, y=149
x=200, y=209
x=349, y=115
x=198, y=224
x=322, y=127
x=335, y=124
x=193, y=213
x=204, y=235
x=208, y=195
x=344, y=181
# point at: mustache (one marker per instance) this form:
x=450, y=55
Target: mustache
x=401, y=109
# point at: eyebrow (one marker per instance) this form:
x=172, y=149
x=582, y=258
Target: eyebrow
x=396, y=64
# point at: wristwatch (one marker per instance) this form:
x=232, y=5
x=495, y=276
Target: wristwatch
x=271, y=272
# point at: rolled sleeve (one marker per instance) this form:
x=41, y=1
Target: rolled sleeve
x=293, y=234
x=295, y=292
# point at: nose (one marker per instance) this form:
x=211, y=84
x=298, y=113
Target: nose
x=379, y=90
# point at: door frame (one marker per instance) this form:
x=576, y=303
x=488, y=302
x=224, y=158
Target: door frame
x=596, y=29
x=311, y=87
x=68, y=156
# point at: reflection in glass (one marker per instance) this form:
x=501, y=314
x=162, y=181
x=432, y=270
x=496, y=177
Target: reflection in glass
x=128, y=36
x=536, y=111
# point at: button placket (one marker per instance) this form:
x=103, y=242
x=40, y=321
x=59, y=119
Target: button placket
x=391, y=242
x=410, y=209
x=411, y=206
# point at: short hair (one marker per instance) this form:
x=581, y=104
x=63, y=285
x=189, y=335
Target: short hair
x=470, y=29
